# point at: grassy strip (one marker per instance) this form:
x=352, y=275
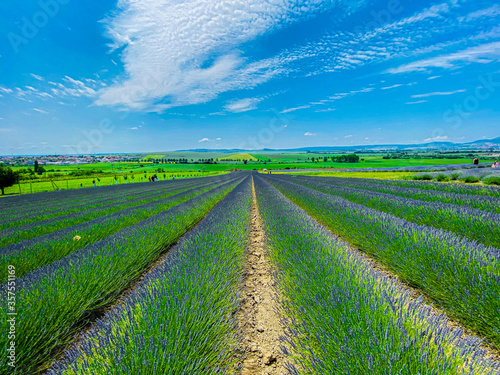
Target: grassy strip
x=66, y=182
x=179, y=320
x=33, y=230
x=55, y=301
x=485, y=203
x=40, y=253
x=474, y=224
x=461, y=276
x=345, y=317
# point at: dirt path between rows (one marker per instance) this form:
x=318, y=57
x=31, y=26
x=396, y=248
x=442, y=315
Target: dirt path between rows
x=258, y=318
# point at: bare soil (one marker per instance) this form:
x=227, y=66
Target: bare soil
x=259, y=318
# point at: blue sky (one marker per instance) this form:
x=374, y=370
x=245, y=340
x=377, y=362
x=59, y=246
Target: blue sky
x=157, y=75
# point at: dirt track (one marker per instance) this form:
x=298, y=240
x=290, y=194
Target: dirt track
x=259, y=319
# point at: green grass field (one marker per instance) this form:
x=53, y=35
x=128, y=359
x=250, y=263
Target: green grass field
x=106, y=172
x=41, y=185
x=247, y=157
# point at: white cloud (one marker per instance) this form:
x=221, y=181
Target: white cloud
x=435, y=139
x=325, y=110
x=134, y=128
x=5, y=90
x=295, y=109
x=391, y=87
x=179, y=53
x=40, y=111
x=341, y=95
x=209, y=140
x=348, y=136
x=417, y=102
x=309, y=134
x=242, y=105
x=492, y=11
x=438, y=93
x=479, y=54
x=37, y=77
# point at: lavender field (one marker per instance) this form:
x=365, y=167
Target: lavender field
x=249, y=273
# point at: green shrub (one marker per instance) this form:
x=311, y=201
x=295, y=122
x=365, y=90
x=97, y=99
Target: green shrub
x=442, y=178
x=425, y=177
x=470, y=180
x=492, y=181
x=454, y=176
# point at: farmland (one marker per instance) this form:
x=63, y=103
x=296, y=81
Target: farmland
x=189, y=164
x=252, y=273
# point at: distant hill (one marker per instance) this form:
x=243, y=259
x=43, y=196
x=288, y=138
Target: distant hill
x=239, y=157
x=482, y=144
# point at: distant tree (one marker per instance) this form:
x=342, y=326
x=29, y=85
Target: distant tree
x=352, y=158
x=7, y=178
x=36, y=166
x=312, y=159
x=245, y=161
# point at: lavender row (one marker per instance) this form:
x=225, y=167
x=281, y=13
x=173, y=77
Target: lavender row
x=343, y=316
x=68, y=207
x=179, y=319
x=38, y=228
x=460, y=275
x=486, y=203
x=56, y=300
x=54, y=201
x=477, y=225
x=31, y=254
x=475, y=190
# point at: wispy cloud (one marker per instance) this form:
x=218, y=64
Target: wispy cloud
x=480, y=54
x=309, y=134
x=325, y=110
x=37, y=77
x=161, y=72
x=437, y=93
x=417, y=102
x=242, y=105
x=436, y=139
x=40, y=111
x=209, y=140
x=391, y=87
x=288, y=110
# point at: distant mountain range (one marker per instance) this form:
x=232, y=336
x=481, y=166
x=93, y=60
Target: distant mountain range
x=482, y=144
